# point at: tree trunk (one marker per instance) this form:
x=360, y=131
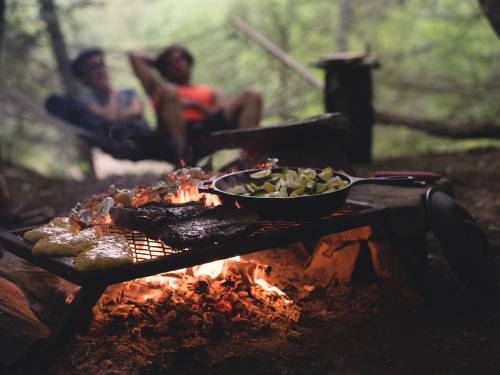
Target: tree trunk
x=491, y=9
x=2, y=30
x=49, y=15
x=344, y=21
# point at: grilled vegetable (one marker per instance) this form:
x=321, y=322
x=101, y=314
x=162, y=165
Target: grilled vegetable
x=289, y=183
x=260, y=175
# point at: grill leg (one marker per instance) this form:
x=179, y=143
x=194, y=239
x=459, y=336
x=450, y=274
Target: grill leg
x=77, y=318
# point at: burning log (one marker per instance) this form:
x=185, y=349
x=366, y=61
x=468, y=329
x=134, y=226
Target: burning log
x=201, y=301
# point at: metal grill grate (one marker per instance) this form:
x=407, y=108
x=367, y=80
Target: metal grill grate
x=142, y=248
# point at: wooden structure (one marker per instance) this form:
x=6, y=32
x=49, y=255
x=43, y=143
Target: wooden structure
x=313, y=142
x=348, y=89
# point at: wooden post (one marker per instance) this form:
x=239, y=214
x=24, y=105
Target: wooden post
x=348, y=89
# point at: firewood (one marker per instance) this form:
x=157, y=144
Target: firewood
x=45, y=288
x=19, y=327
x=334, y=257
x=330, y=262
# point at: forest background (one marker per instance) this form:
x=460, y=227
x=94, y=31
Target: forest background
x=440, y=60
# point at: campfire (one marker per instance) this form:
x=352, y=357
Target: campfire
x=199, y=301
x=207, y=296
x=190, y=299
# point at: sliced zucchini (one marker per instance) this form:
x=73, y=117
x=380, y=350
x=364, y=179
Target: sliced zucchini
x=320, y=187
x=260, y=175
x=238, y=190
x=326, y=174
x=268, y=187
x=252, y=188
x=310, y=187
x=297, y=192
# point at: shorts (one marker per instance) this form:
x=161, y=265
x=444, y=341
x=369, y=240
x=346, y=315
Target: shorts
x=199, y=129
x=213, y=123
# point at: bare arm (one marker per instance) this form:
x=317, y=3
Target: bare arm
x=143, y=69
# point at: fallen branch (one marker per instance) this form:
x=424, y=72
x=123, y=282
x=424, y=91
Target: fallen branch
x=441, y=128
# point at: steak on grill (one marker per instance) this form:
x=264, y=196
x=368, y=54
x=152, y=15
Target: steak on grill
x=185, y=224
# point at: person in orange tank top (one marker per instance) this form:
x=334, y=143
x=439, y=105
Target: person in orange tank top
x=190, y=110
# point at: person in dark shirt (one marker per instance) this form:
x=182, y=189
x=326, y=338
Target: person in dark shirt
x=98, y=96
x=113, y=117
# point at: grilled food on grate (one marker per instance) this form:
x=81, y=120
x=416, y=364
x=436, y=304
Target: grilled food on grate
x=108, y=251
x=93, y=249
x=185, y=224
x=58, y=225
x=66, y=243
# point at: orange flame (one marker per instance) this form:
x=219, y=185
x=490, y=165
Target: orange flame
x=159, y=285
x=155, y=288
x=188, y=192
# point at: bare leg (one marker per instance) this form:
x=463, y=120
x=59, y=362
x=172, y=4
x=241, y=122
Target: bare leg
x=170, y=120
x=245, y=110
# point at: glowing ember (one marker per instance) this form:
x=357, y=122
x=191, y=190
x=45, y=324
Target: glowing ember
x=220, y=270
x=234, y=287
x=212, y=269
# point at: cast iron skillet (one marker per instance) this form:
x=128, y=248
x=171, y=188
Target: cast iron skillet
x=296, y=207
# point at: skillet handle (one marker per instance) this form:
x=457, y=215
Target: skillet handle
x=204, y=188
x=392, y=180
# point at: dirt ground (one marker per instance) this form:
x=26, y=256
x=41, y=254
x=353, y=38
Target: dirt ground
x=367, y=327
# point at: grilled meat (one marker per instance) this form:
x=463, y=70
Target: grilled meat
x=184, y=224
x=217, y=224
